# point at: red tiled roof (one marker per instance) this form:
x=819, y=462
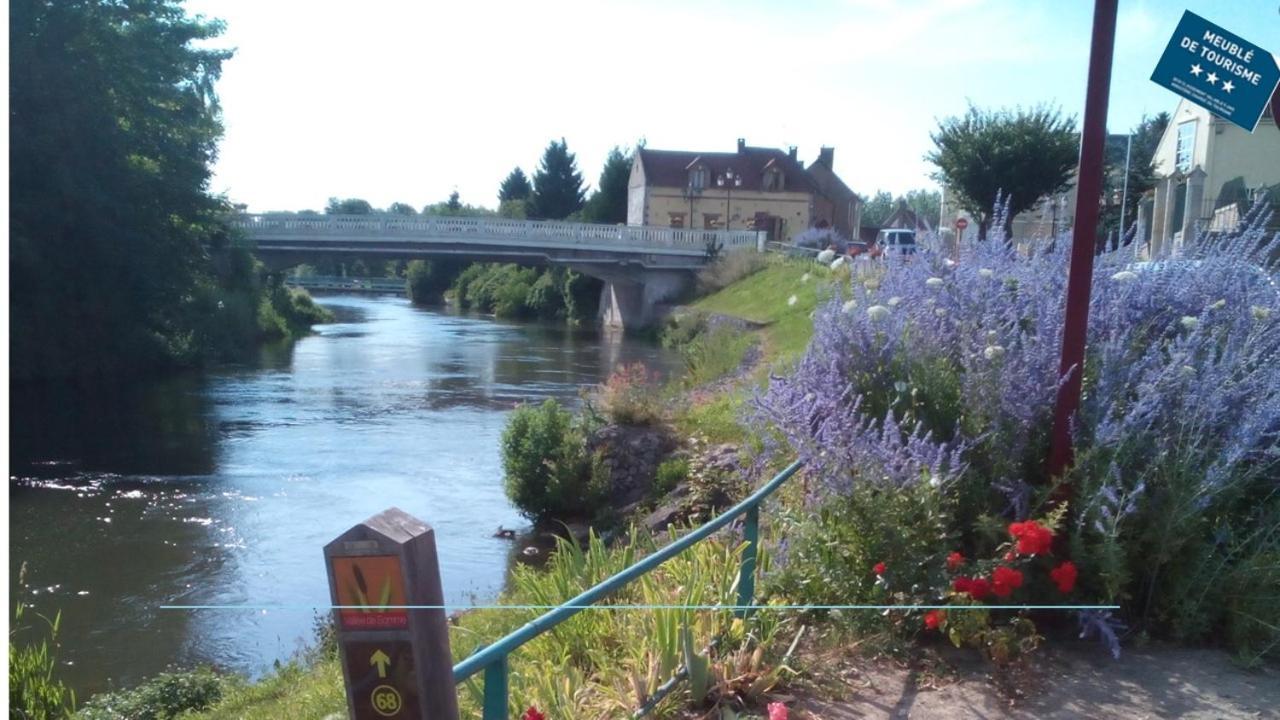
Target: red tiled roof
x=670, y=168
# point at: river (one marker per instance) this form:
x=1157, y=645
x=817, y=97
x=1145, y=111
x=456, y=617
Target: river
x=222, y=488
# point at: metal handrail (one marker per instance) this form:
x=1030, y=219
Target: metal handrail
x=493, y=658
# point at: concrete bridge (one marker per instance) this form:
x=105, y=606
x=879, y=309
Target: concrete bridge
x=641, y=266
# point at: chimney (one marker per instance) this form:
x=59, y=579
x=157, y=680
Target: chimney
x=826, y=156
x=742, y=144
x=791, y=151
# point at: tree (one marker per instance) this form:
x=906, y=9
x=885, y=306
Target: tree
x=399, y=208
x=608, y=204
x=877, y=209
x=1022, y=155
x=113, y=122
x=926, y=204
x=454, y=204
x=557, y=185
x=348, y=206
x=515, y=187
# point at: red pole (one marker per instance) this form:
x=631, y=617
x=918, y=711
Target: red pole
x=1084, y=234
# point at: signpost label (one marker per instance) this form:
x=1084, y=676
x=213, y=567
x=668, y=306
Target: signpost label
x=1218, y=70
x=372, y=582
x=381, y=677
x=961, y=223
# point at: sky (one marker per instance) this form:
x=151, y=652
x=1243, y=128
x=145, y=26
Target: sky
x=409, y=100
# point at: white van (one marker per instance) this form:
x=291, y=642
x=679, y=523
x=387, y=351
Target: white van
x=892, y=240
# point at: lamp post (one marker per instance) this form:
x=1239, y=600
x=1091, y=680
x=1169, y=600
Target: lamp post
x=729, y=180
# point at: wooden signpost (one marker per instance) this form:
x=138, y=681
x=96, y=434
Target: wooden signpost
x=395, y=659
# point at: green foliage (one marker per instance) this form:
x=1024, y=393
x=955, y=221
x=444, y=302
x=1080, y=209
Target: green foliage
x=715, y=354
x=729, y=269
x=514, y=209
x=630, y=397
x=511, y=291
x=427, y=280
x=671, y=472
x=833, y=550
x=548, y=469
x=113, y=125
x=34, y=692
x=514, y=187
x=167, y=695
x=348, y=206
x=877, y=209
x=608, y=204
x=1023, y=154
x=399, y=208
x=557, y=185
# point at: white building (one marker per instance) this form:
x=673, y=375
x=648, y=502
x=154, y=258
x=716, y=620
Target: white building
x=1204, y=166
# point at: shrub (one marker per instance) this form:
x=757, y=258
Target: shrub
x=34, y=692
x=630, y=397
x=165, y=696
x=947, y=373
x=671, y=472
x=548, y=469
x=728, y=269
x=427, y=280
x=715, y=354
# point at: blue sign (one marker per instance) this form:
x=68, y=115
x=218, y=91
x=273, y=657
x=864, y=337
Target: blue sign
x=1219, y=71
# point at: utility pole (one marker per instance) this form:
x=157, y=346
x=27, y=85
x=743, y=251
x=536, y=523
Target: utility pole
x=1124, y=194
x=1083, y=238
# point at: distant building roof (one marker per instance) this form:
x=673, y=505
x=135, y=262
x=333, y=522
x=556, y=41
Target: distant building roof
x=670, y=168
x=906, y=219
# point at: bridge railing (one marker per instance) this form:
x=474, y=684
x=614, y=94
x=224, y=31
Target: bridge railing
x=492, y=659
x=433, y=227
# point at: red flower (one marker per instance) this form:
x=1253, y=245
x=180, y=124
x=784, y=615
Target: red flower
x=933, y=619
x=1033, y=538
x=777, y=711
x=1010, y=557
x=532, y=714
x=977, y=588
x=1064, y=576
x=879, y=568
x=1005, y=580
x=954, y=560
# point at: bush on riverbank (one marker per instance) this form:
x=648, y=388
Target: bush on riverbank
x=512, y=291
x=549, y=472
x=163, y=697
x=943, y=375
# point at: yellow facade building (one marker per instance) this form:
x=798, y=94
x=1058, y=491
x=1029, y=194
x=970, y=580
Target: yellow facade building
x=751, y=189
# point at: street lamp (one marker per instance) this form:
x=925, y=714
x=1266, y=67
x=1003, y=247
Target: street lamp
x=729, y=180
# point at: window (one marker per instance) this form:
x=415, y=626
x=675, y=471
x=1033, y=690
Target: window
x=677, y=220
x=773, y=179
x=1185, y=147
x=711, y=221
x=698, y=178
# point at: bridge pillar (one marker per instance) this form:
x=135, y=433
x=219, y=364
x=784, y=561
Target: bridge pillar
x=631, y=303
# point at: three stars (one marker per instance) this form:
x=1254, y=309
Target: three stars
x=1212, y=78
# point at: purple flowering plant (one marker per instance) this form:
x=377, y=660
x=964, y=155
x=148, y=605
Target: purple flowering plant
x=942, y=371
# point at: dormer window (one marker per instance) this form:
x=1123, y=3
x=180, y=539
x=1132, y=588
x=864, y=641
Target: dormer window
x=698, y=177
x=773, y=179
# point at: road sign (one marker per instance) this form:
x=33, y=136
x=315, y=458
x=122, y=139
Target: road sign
x=961, y=223
x=384, y=579
x=1218, y=70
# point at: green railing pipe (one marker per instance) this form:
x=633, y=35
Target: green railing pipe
x=493, y=658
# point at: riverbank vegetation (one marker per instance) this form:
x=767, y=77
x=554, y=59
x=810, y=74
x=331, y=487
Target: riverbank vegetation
x=121, y=262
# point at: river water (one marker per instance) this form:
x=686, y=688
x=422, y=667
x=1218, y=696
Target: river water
x=221, y=489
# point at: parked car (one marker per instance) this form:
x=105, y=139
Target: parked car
x=893, y=240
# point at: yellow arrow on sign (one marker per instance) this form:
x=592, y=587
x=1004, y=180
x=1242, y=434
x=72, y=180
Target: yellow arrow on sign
x=380, y=659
